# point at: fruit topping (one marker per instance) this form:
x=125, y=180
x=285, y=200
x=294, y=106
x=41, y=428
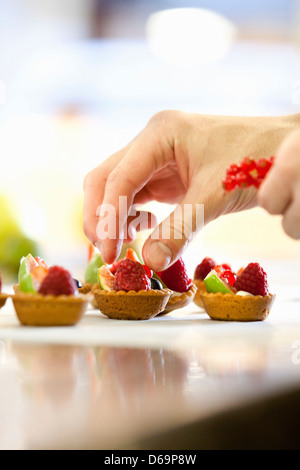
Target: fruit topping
x=31, y=281
x=57, y=282
x=106, y=278
x=91, y=252
x=78, y=284
x=214, y=284
x=252, y=279
x=92, y=268
x=114, y=266
x=176, y=277
x=156, y=284
x=27, y=284
x=41, y=262
x=29, y=263
x=131, y=275
x=242, y=293
x=131, y=254
x=149, y=271
x=248, y=173
x=228, y=276
x=26, y=264
x=202, y=270
x=225, y=273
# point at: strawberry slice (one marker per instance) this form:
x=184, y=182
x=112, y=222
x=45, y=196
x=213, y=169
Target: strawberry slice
x=91, y=252
x=38, y=275
x=131, y=254
x=41, y=262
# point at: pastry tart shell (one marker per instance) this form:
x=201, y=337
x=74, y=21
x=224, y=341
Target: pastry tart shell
x=231, y=307
x=179, y=301
x=131, y=305
x=48, y=310
x=200, y=284
x=3, y=299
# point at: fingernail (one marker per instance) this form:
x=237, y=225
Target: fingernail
x=159, y=256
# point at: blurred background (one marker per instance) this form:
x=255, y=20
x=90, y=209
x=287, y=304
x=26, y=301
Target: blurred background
x=80, y=78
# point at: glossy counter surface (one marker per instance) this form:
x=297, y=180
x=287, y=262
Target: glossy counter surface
x=109, y=384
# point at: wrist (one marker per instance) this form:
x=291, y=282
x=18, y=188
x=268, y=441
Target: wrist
x=266, y=134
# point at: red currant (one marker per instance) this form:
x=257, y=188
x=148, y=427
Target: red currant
x=228, y=276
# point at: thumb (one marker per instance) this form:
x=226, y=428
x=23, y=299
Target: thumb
x=170, y=239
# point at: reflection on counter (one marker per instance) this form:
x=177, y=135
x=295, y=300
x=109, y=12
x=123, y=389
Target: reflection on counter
x=71, y=396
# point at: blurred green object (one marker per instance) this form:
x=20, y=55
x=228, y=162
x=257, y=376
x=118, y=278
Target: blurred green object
x=12, y=249
x=13, y=243
x=8, y=224
x=91, y=273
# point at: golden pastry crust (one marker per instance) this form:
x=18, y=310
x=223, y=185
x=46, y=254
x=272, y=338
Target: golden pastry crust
x=48, y=310
x=200, y=284
x=131, y=305
x=179, y=301
x=232, y=307
x=86, y=288
x=3, y=299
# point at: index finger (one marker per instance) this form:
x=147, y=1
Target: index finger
x=94, y=187
x=124, y=182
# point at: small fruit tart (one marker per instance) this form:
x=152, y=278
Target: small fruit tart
x=3, y=296
x=95, y=262
x=177, y=279
x=127, y=291
x=244, y=299
x=47, y=296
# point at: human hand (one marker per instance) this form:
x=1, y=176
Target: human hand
x=280, y=192
x=179, y=158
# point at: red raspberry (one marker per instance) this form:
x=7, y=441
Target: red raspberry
x=131, y=275
x=58, y=281
x=176, y=277
x=253, y=279
x=204, y=268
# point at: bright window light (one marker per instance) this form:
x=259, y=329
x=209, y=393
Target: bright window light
x=189, y=36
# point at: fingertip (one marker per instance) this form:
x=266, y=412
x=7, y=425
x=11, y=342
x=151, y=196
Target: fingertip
x=110, y=250
x=273, y=195
x=291, y=219
x=264, y=199
x=157, y=255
